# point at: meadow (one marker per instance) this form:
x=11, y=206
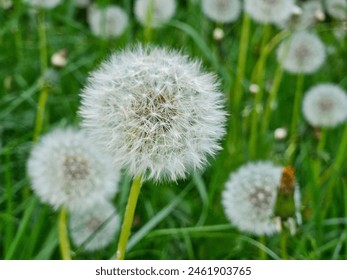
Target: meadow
x=46, y=56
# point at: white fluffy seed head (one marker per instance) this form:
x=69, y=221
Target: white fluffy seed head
x=158, y=11
x=107, y=22
x=94, y=228
x=303, y=53
x=82, y=3
x=155, y=111
x=325, y=105
x=67, y=169
x=223, y=11
x=337, y=8
x=269, y=11
x=250, y=195
x=47, y=4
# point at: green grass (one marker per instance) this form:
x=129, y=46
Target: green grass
x=183, y=220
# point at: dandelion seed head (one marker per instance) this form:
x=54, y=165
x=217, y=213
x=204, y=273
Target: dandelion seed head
x=302, y=53
x=249, y=197
x=82, y=3
x=218, y=34
x=67, y=169
x=155, y=111
x=223, y=11
x=337, y=8
x=280, y=133
x=325, y=105
x=162, y=11
x=47, y=4
x=269, y=11
x=94, y=228
x=107, y=22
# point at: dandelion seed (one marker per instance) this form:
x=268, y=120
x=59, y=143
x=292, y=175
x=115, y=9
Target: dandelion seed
x=155, y=111
x=325, y=106
x=269, y=11
x=303, y=53
x=107, y=22
x=250, y=195
x=337, y=8
x=223, y=11
x=67, y=169
x=47, y=4
x=161, y=11
x=94, y=228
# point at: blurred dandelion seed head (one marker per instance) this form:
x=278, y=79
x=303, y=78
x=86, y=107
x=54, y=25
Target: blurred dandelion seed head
x=302, y=53
x=107, y=22
x=223, y=11
x=337, y=8
x=155, y=111
x=249, y=197
x=269, y=11
x=67, y=169
x=325, y=105
x=47, y=4
x=161, y=11
x=94, y=228
x=218, y=34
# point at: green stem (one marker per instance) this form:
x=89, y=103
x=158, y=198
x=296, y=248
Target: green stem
x=297, y=104
x=262, y=253
x=284, y=243
x=43, y=63
x=128, y=217
x=271, y=99
x=63, y=235
x=242, y=59
x=316, y=162
x=149, y=18
x=258, y=80
x=336, y=169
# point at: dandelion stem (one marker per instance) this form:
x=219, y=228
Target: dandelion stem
x=262, y=252
x=43, y=63
x=63, y=235
x=149, y=18
x=258, y=80
x=316, y=163
x=271, y=99
x=128, y=217
x=297, y=103
x=284, y=243
x=242, y=59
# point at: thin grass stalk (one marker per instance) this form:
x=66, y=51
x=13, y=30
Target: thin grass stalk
x=241, y=64
x=258, y=79
x=63, y=235
x=128, y=218
x=43, y=64
x=297, y=105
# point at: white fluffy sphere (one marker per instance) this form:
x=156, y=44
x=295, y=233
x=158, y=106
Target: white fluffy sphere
x=47, y=4
x=224, y=11
x=94, y=228
x=325, y=105
x=269, y=11
x=250, y=195
x=337, y=8
x=155, y=111
x=304, y=53
x=107, y=22
x=67, y=169
x=162, y=11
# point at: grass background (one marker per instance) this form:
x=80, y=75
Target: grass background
x=183, y=220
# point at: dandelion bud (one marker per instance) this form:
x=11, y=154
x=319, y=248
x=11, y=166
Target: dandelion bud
x=254, y=88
